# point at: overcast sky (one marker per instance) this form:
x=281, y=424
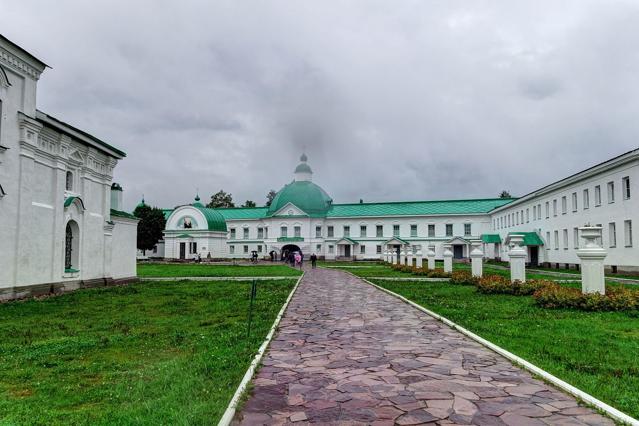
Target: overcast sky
x=391, y=100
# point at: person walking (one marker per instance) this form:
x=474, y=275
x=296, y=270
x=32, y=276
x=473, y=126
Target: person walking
x=298, y=260
x=313, y=261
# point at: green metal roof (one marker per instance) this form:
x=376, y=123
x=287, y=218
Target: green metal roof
x=239, y=213
x=350, y=240
x=69, y=200
x=491, y=238
x=119, y=213
x=306, y=195
x=214, y=219
x=290, y=239
x=418, y=208
x=530, y=238
x=167, y=213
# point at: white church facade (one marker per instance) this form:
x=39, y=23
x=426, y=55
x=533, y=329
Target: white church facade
x=302, y=216
x=62, y=222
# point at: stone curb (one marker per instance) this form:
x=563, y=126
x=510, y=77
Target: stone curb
x=261, y=278
x=566, y=387
x=229, y=414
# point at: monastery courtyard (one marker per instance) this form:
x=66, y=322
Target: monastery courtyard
x=348, y=352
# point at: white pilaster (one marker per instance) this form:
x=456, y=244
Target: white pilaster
x=517, y=256
x=448, y=258
x=402, y=257
x=477, y=258
x=431, y=257
x=592, y=257
x=409, y=257
x=418, y=258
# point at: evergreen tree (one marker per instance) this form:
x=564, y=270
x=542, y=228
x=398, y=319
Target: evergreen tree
x=269, y=197
x=150, y=227
x=249, y=203
x=505, y=194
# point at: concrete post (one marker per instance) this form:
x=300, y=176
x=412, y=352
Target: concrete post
x=517, y=256
x=402, y=257
x=477, y=258
x=448, y=258
x=419, y=258
x=409, y=257
x=592, y=257
x=431, y=257
x=394, y=258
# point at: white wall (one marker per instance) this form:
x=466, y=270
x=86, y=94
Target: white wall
x=124, y=248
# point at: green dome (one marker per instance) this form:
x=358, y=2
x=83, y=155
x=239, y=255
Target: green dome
x=303, y=168
x=309, y=197
x=214, y=219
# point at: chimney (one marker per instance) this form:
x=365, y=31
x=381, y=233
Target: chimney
x=116, y=196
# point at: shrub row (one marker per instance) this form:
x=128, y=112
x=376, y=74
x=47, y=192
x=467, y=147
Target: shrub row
x=430, y=273
x=497, y=284
x=615, y=299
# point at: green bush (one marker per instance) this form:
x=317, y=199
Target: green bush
x=463, y=278
x=497, y=284
x=615, y=299
x=425, y=272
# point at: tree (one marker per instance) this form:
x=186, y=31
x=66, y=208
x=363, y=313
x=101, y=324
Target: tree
x=221, y=200
x=269, y=197
x=249, y=203
x=505, y=194
x=150, y=227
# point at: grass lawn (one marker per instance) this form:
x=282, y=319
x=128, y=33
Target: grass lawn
x=151, y=353
x=204, y=270
x=597, y=352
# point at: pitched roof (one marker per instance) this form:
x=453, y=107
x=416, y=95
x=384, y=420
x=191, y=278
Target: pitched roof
x=239, y=213
x=418, y=208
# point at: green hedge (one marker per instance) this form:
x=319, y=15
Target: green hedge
x=615, y=299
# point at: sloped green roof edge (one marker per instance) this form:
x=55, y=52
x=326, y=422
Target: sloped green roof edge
x=69, y=200
x=418, y=208
x=120, y=213
x=491, y=238
x=214, y=218
x=530, y=238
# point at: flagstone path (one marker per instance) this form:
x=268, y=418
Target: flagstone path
x=348, y=353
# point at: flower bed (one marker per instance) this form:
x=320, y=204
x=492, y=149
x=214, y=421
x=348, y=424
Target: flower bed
x=497, y=284
x=463, y=278
x=425, y=272
x=615, y=299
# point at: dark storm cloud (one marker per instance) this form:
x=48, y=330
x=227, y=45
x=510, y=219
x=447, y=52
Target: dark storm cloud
x=391, y=100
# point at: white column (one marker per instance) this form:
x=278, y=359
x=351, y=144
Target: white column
x=402, y=257
x=592, y=257
x=431, y=257
x=448, y=258
x=517, y=256
x=418, y=258
x=394, y=258
x=409, y=257
x=477, y=258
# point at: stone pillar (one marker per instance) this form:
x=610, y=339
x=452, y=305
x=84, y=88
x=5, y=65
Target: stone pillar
x=394, y=258
x=409, y=257
x=402, y=257
x=418, y=258
x=431, y=257
x=592, y=257
x=517, y=255
x=448, y=258
x=477, y=258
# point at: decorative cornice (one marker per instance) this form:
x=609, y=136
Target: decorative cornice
x=18, y=64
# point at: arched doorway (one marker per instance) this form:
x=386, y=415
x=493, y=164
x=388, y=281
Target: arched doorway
x=71, y=246
x=289, y=248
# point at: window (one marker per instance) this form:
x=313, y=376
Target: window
x=534, y=212
x=260, y=233
x=413, y=230
x=68, y=247
x=586, y=199
x=362, y=231
x=330, y=233
x=283, y=232
x=232, y=249
x=597, y=196
x=232, y=233
x=318, y=248
x=318, y=231
x=378, y=249
x=69, y=181
x=565, y=239
x=625, y=187
x=245, y=249
x=331, y=249
x=547, y=209
x=564, y=205
x=192, y=247
x=347, y=231
x=246, y=233
x=431, y=230
x=612, y=231
x=627, y=232
x=379, y=231
x=266, y=232
x=600, y=239
x=548, y=240
x=554, y=207
x=575, y=237
x=527, y=215
x=362, y=249
x=449, y=229
x=556, y=240
x=611, y=192
x=259, y=248
x=395, y=230
x=539, y=211
x=574, y=201
x=467, y=229
x=297, y=231
x=516, y=218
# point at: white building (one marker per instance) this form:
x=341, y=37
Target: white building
x=303, y=217
x=62, y=226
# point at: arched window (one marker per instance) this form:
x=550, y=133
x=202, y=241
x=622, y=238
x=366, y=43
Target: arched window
x=71, y=246
x=69, y=181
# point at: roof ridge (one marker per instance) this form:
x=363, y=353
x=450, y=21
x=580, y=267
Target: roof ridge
x=426, y=201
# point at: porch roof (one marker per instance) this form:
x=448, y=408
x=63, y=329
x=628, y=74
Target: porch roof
x=530, y=238
x=346, y=240
x=400, y=240
x=491, y=238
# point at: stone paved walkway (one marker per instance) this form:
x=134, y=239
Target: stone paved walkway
x=348, y=353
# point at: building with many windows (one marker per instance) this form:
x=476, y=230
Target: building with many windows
x=62, y=226
x=303, y=217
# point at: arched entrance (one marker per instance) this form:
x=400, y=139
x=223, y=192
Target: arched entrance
x=288, y=248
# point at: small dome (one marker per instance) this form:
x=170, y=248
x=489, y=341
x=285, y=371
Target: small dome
x=306, y=195
x=303, y=168
x=304, y=158
x=197, y=201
